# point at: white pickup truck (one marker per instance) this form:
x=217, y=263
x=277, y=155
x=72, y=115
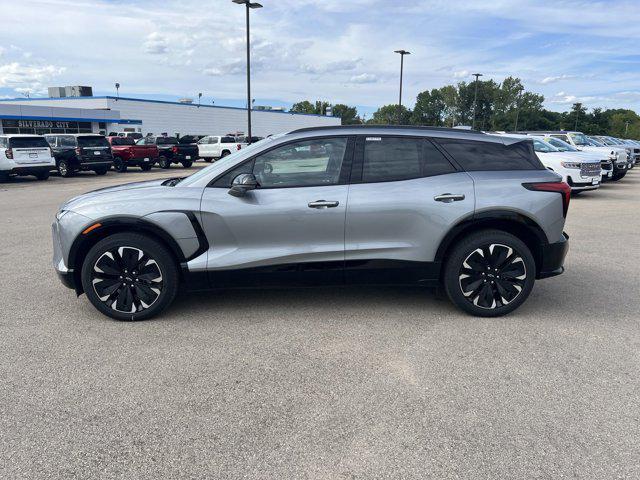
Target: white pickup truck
x=214, y=147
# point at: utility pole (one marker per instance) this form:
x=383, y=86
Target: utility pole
x=402, y=54
x=475, y=100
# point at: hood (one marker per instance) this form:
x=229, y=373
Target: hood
x=125, y=190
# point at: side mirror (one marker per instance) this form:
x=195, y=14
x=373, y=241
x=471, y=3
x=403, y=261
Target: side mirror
x=242, y=184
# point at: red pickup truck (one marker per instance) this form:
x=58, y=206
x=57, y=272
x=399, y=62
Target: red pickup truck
x=126, y=154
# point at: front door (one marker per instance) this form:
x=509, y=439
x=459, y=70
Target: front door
x=288, y=230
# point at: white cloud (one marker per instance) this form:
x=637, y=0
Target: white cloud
x=461, y=74
x=28, y=78
x=364, y=78
x=547, y=80
x=155, y=44
x=332, y=67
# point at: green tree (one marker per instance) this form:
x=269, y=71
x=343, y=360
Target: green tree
x=429, y=108
x=348, y=115
x=304, y=106
x=388, y=115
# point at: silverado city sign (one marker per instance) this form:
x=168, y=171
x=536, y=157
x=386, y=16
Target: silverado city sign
x=45, y=124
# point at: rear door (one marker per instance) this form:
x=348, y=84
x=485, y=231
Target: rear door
x=404, y=198
x=30, y=150
x=291, y=228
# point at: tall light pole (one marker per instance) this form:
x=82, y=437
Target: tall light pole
x=475, y=100
x=199, y=98
x=117, y=91
x=249, y=5
x=402, y=54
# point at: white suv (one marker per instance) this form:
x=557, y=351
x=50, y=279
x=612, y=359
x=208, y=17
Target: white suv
x=581, y=170
x=25, y=155
x=213, y=147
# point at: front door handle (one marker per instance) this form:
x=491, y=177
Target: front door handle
x=323, y=204
x=449, y=197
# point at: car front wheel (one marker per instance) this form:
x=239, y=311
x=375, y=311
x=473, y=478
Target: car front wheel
x=129, y=277
x=163, y=162
x=489, y=273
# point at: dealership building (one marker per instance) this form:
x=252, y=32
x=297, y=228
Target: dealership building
x=106, y=114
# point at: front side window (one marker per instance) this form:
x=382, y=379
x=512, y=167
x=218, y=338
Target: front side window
x=300, y=164
x=388, y=159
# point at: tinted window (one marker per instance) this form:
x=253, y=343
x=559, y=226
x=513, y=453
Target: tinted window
x=166, y=141
x=96, y=141
x=228, y=140
x=67, y=141
x=393, y=158
x=299, y=164
x=123, y=141
x=3, y=142
x=27, y=142
x=478, y=156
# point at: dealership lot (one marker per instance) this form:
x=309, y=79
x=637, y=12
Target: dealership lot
x=322, y=383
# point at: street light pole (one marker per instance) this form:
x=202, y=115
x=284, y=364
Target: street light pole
x=402, y=54
x=117, y=91
x=475, y=100
x=248, y=4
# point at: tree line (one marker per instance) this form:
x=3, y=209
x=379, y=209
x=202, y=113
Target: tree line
x=500, y=106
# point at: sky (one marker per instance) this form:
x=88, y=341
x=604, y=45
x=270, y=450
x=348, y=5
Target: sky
x=341, y=51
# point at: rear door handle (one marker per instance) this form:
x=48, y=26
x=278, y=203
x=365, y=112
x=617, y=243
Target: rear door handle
x=449, y=197
x=323, y=204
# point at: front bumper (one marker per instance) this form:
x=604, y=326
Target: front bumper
x=552, y=258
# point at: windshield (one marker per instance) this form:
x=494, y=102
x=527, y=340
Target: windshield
x=96, y=141
x=607, y=141
x=543, y=147
x=122, y=141
x=560, y=145
x=229, y=160
x=595, y=143
x=579, y=139
x=166, y=141
x=27, y=142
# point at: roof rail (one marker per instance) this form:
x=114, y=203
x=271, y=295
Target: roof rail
x=389, y=127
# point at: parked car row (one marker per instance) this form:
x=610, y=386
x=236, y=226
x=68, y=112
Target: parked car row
x=583, y=161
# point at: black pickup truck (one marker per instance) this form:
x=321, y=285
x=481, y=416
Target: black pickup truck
x=172, y=151
x=82, y=151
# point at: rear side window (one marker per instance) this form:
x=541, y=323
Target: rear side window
x=28, y=142
x=228, y=140
x=388, y=159
x=96, y=141
x=479, y=156
x=66, y=142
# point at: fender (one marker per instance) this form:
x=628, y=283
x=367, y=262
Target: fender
x=117, y=224
x=494, y=218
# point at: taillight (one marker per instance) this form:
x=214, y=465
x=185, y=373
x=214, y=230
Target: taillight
x=238, y=146
x=9, y=153
x=558, y=187
x=174, y=149
x=78, y=151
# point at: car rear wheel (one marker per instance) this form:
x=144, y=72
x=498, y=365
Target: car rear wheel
x=187, y=163
x=101, y=171
x=489, y=273
x=145, y=167
x=64, y=169
x=129, y=277
x=163, y=162
x=42, y=175
x=208, y=159
x=225, y=153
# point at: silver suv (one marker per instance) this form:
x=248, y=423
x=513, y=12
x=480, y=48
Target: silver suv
x=476, y=213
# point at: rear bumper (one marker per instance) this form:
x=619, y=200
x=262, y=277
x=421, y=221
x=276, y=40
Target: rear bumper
x=552, y=256
x=30, y=170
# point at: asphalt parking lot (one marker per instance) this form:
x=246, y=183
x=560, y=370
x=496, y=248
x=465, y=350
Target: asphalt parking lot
x=322, y=383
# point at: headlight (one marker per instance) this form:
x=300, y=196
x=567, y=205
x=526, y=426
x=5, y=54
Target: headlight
x=61, y=214
x=571, y=164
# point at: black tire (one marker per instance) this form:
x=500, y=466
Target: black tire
x=208, y=159
x=225, y=153
x=43, y=175
x=101, y=171
x=64, y=169
x=119, y=165
x=619, y=175
x=505, y=280
x=164, y=162
x=4, y=176
x=145, y=167
x=187, y=163
x=154, y=282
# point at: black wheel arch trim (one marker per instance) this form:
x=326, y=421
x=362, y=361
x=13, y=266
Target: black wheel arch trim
x=536, y=240
x=123, y=223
